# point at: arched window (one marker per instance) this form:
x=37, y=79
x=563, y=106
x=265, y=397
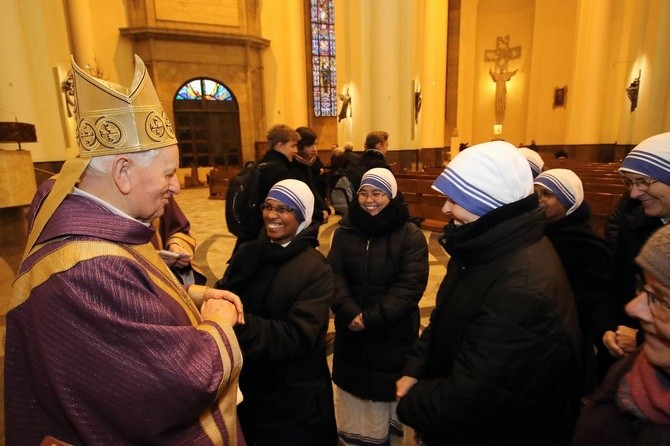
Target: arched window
x=324, y=70
x=208, y=124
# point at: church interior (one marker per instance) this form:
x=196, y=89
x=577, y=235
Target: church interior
x=587, y=77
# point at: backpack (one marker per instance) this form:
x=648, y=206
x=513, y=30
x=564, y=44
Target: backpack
x=341, y=194
x=242, y=200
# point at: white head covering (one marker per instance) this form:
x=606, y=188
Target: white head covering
x=650, y=158
x=565, y=184
x=382, y=179
x=485, y=177
x=534, y=160
x=296, y=195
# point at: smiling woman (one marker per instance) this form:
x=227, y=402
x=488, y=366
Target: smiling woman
x=380, y=263
x=286, y=287
x=632, y=405
x=647, y=175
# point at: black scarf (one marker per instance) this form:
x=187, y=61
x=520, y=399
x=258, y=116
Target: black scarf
x=456, y=240
x=392, y=216
x=255, y=264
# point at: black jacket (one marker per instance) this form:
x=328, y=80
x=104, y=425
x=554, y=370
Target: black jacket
x=586, y=258
x=307, y=175
x=370, y=159
x=499, y=363
x=380, y=265
x=285, y=379
x=633, y=231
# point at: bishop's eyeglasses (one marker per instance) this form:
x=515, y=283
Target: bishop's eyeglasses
x=643, y=184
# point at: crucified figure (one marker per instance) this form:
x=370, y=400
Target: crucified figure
x=501, y=78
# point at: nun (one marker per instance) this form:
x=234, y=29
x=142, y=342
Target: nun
x=286, y=286
x=585, y=257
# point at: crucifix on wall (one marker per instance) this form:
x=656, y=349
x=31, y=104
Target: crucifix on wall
x=501, y=56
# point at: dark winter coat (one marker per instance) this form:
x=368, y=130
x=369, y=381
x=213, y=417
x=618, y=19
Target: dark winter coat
x=586, y=258
x=370, y=159
x=499, y=363
x=633, y=231
x=307, y=175
x=380, y=265
x=601, y=423
x=286, y=292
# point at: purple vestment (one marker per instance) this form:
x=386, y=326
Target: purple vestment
x=103, y=346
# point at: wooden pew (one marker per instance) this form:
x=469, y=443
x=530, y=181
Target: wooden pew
x=217, y=180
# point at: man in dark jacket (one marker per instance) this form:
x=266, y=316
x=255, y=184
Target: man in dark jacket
x=499, y=363
x=305, y=167
x=349, y=155
x=282, y=147
x=376, y=146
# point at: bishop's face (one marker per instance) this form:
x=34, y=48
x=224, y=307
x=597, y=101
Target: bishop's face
x=152, y=184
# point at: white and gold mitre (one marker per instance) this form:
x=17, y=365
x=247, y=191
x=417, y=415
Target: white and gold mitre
x=113, y=119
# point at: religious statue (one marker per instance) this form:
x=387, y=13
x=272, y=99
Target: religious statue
x=501, y=88
x=501, y=56
x=633, y=90
x=346, y=102
x=67, y=87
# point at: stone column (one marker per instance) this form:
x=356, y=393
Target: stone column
x=81, y=32
x=584, y=120
x=377, y=63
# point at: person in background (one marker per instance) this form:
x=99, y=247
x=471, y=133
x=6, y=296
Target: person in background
x=343, y=162
x=534, y=160
x=374, y=155
x=306, y=169
x=337, y=161
x=632, y=406
x=561, y=156
x=499, y=362
x=376, y=146
x=286, y=286
x=380, y=265
x=349, y=154
x=102, y=344
x=584, y=255
x=646, y=177
x=173, y=235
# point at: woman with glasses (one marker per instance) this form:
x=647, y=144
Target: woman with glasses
x=632, y=406
x=380, y=264
x=286, y=286
x=646, y=178
x=584, y=254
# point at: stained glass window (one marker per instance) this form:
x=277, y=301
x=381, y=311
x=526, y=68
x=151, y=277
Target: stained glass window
x=324, y=71
x=204, y=89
